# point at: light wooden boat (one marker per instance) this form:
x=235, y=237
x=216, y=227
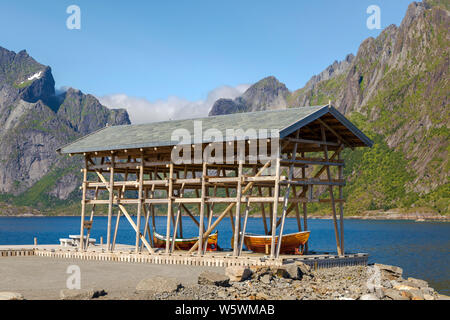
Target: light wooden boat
x=290, y=243
x=159, y=241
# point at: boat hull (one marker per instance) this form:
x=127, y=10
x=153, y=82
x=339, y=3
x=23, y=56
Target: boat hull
x=159, y=241
x=290, y=243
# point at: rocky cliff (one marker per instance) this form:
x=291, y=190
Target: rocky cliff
x=34, y=122
x=396, y=89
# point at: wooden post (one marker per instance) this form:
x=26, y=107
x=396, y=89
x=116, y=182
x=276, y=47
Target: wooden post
x=110, y=204
x=169, y=207
x=341, y=204
x=275, y=206
x=139, y=209
x=91, y=218
x=247, y=209
x=330, y=189
x=113, y=245
x=286, y=196
x=211, y=212
x=116, y=229
x=177, y=221
x=35, y=241
x=227, y=194
x=83, y=203
x=202, y=208
x=305, y=207
x=237, y=220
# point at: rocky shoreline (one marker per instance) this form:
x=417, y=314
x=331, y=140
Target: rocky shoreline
x=295, y=281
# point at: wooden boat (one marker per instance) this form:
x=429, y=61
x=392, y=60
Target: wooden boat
x=159, y=241
x=290, y=243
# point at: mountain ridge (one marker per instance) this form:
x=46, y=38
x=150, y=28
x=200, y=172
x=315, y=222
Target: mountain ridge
x=396, y=90
x=34, y=122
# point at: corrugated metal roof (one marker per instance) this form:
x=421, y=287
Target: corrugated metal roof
x=160, y=133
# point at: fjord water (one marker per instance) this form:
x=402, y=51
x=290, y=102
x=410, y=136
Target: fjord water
x=422, y=249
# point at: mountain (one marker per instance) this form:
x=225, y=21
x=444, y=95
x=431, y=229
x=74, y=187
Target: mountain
x=34, y=122
x=266, y=94
x=396, y=89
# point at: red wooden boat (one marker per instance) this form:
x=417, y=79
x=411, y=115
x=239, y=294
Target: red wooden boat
x=159, y=241
x=290, y=243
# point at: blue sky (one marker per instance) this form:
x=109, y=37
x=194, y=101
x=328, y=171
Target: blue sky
x=185, y=49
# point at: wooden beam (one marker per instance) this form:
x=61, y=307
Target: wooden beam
x=83, y=204
x=237, y=219
x=312, y=142
x=341, y=206
x=335, y=133
x=244, y=228
x=140, y=205
x=111, y=198
x=330, y=188
x=169, y=207
x=275, y=207
x=202, y=209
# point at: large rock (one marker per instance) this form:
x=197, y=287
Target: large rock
x=159, y=285
x=288, y=271
x=304, y=268
x=213, y=278
x=389, y=272
x=10, y=296
x=418, y=283
x=394, y=294
x=238, y=273
x=80, y=294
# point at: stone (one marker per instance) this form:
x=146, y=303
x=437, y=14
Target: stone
x=258, y=271
x=238, y=273
x=429, y=291
x=222, y=294
x=10, y=296
x=418, y=283
x=266, y=278
x=304, y=268
x=293, y=271
x=428, y=297
x=416, y=295
x=394, y=294
x=280, y=272
x=368, y=296
x=261, y=296
x=379, y=293
x=389, y=272
x=443, y=297
x=80, y=294
x=159, y=285
x=213, y=278
x=404, y=287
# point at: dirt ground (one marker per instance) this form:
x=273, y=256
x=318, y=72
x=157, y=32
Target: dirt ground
x=43, y=278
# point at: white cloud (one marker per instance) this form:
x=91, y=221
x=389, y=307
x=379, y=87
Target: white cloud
x=142, y=110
